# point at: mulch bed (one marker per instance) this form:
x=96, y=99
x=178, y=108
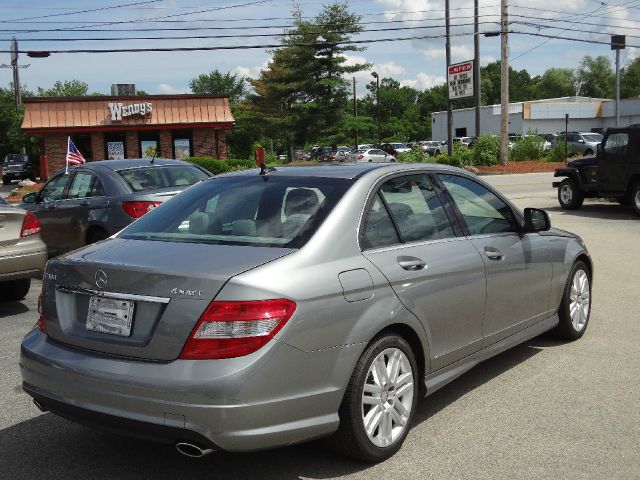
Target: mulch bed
x=23, y=191
x=528, y=166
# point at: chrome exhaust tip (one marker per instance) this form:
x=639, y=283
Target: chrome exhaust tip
x=192, y=451
x=39, y=406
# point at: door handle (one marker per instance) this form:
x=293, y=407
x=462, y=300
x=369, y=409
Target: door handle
x=84, y=203
x=411, y=263
x=51, y=206
x=493, y=253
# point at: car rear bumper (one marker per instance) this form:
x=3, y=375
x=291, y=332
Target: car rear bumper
x=267, y=399
x=23, y=260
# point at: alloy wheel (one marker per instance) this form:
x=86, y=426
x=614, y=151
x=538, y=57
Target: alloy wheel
x=580, y=300
x=566, y=193
x=387, y=397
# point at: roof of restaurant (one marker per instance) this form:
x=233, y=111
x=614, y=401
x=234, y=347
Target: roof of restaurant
x=63, y=114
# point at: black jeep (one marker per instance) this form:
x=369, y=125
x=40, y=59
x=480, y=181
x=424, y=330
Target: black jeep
x=613, y=173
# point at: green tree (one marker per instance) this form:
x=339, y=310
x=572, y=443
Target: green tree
x=302, y=95
x=218, y=83
x=630, y=80
x=595, y=77
x=67, y=88
x=555, y=83
x=12, y=139
x=520, y=84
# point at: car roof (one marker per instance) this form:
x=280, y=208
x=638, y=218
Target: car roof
x=343, y=170
x=134, y=162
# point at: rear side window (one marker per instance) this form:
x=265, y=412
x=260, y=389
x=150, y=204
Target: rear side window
x=272, y=211
x=378, y=228
x=146, y=178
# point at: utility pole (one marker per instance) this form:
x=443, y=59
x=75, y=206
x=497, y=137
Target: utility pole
x=355, y=108
x=14, y=66
x=377, y=77
x=448, y=59
x=476, y=64
x=504, y=82
x=618, y=43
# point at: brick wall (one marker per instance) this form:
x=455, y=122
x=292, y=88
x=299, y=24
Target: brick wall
x=97, y=146
x=204, y=143
x=166, y=147
x=55, y=145
x=221, y=143
x=131, y=144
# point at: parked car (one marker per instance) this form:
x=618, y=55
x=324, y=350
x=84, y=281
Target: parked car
x=98, y=199
x=432, y=147
x=371, y=155
x=395, y=148
x=16, y=166
x=583, y=143
x=256, y=311
x=22, y=252
x=613, y=173
x=324, y=154
x=302, y=155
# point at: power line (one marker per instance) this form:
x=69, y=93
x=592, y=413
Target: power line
x=15, y=20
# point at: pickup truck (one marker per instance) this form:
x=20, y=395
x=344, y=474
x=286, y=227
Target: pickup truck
x=614, y=172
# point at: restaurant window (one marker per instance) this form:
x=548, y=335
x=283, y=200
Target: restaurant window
x=149, y=145
x=115, y=146
x=83, y=144
x=182, y=145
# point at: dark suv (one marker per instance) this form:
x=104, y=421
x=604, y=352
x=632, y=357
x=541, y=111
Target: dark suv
x=613, y=173
x=16, y=166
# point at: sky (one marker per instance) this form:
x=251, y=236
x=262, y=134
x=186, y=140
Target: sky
x=418, y=62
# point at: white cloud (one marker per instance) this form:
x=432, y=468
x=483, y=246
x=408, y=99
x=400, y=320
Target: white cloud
x=458, y=53
x=424, y=81
x=166, y=89
x=251, y=72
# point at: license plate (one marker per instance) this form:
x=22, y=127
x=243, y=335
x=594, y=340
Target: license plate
x=110, y=315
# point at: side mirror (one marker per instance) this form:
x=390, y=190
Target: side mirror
x=536, y=220
x=29, y=198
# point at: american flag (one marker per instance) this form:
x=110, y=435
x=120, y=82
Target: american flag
x=74, y=157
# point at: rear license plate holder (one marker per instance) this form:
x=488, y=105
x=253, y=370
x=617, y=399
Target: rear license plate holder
x=110, y=315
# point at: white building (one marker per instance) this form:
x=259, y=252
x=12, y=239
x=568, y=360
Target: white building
x=542, y=116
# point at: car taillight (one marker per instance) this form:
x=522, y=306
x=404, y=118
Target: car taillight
x=30, y=225
x=234, y=329
x=360, y=157
x=42, y=326
x=138, y=208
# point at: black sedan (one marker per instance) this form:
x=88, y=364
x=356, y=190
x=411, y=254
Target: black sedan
x=97, y=199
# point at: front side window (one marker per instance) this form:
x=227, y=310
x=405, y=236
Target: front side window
x=244, y=210
x=54, y=190
x=482, y=210
x=416, y=208
x=617, y=143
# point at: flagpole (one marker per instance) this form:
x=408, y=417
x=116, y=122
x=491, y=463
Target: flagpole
x=66, y=160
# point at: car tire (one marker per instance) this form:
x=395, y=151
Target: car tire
x=569, y=195
x=14, y=290
x=95, y=235
x=635, y=197
x=575, y=307
x=389, y=414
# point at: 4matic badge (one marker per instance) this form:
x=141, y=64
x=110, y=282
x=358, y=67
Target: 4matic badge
x=187, y=293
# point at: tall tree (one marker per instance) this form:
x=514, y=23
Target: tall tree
x=555, y=83
x=595, y=77
x=216, y=82
x=67, y=88
x=630, y=80
x=302, y=95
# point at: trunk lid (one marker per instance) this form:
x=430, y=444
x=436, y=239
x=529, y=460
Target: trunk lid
x=11, y=220
x=162, y=286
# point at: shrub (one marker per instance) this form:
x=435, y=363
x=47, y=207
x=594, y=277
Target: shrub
x=415, y=155
x=529, y=148
x=486, y=150
x=557, y=153
x=462, y=156
x=216, y=166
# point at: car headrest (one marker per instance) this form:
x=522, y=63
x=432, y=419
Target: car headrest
x=301, y=200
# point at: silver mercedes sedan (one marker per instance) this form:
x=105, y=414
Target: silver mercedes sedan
x=258, y=310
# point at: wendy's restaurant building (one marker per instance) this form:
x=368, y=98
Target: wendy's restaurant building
x=115, y=127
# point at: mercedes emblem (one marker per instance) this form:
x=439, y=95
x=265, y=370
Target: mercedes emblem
x=101, y=279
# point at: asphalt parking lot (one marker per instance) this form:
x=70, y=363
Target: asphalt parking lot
x=542, y=410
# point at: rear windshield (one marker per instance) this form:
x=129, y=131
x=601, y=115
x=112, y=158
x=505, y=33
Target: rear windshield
x=272, y=211
x=159, y=176
x=593, y=137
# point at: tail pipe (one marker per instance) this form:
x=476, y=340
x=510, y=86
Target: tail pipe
x=192, y=451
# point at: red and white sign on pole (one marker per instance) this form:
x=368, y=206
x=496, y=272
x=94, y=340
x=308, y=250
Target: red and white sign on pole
x=460, y=80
